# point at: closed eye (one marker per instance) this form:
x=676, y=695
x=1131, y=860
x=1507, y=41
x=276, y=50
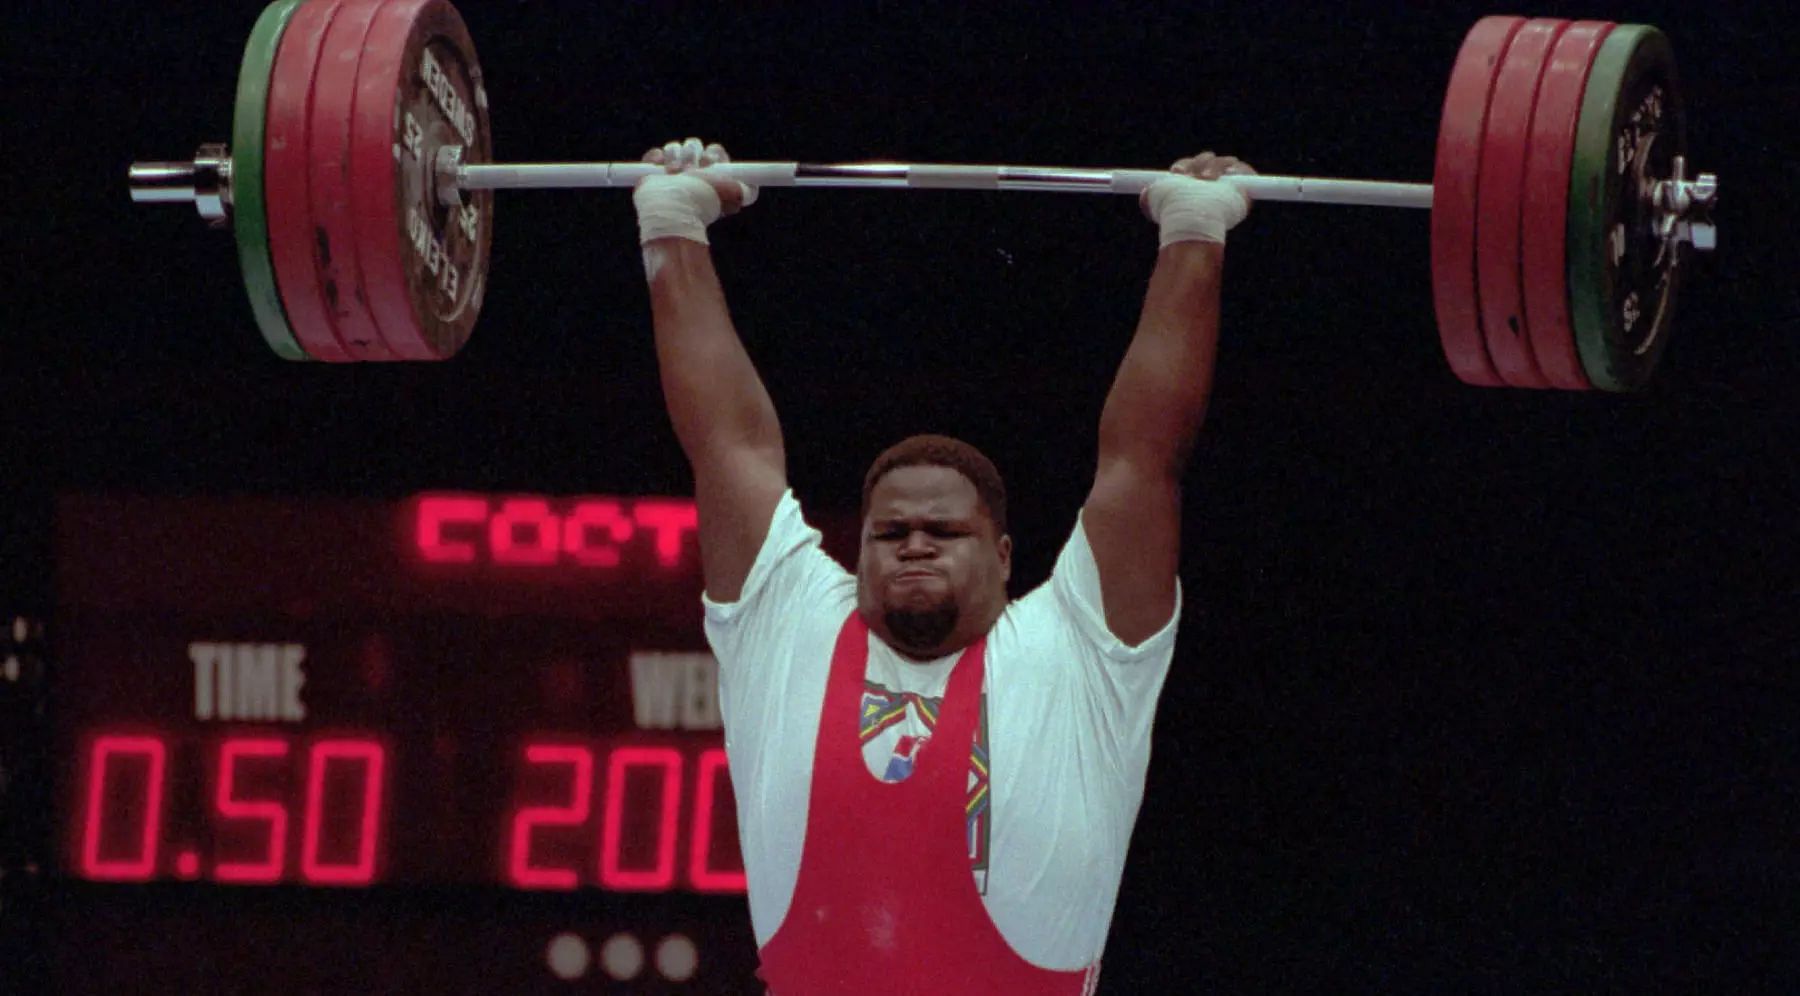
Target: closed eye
x=934, y=530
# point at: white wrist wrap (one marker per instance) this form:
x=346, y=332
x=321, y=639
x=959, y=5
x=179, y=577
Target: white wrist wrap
x=675, y=205
x=1190, y=210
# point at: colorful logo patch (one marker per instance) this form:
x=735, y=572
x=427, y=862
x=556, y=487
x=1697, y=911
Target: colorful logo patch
x=883, y=714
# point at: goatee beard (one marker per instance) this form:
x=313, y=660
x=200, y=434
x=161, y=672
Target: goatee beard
x=921, y=630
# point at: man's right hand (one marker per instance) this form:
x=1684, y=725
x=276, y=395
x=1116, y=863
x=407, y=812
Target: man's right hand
x=686, y=198
x=1190, y=211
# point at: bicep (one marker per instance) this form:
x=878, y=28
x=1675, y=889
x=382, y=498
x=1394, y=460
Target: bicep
x=1132, y=519
x=736, y=490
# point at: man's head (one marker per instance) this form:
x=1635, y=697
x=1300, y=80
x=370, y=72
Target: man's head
x=931, y=576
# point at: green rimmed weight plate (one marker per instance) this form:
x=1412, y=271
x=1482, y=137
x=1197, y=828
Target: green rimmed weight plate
x=249, y=219
x=1622, y=277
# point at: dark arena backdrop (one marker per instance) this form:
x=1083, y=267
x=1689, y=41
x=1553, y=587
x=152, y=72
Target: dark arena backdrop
x=389, y=677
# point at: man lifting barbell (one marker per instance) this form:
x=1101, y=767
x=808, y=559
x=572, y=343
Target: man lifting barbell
x=935, y=786
x=359, y=185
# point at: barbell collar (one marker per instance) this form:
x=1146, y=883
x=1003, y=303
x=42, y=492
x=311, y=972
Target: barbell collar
x=1683, y=208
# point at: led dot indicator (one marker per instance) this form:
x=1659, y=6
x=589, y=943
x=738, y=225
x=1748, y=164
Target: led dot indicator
x=187, y=865
x=622, y=956
x=567, y=956
x=677, y=958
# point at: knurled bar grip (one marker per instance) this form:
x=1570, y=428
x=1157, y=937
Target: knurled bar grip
x=1370, y=193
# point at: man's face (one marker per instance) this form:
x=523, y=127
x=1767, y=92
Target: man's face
x=932, y=568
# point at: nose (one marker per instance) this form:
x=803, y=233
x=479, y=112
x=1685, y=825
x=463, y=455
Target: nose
x=916, y=545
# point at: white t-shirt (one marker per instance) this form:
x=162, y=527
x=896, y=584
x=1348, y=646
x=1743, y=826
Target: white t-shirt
x=1057, y=771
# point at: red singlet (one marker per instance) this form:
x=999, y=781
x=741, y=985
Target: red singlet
x=884, y=902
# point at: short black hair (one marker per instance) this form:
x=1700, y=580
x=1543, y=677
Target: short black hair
x=943, y=451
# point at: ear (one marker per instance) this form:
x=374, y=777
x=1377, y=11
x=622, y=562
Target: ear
x=1004, y=546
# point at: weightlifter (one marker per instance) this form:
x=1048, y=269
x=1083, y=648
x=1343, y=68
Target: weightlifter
x=935, y=786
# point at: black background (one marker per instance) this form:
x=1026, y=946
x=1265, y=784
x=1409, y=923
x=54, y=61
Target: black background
x=1475, y=689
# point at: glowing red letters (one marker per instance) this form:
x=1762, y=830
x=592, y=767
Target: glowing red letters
x=531, y=531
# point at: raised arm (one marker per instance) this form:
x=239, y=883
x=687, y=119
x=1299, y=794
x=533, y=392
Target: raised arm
x=1158, y=399
x=721, y=412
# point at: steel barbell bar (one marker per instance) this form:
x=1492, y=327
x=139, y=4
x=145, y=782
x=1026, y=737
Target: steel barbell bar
x=180, y=182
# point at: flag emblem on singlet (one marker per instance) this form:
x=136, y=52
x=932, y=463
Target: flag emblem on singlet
x=902, y=723
x=905, y=756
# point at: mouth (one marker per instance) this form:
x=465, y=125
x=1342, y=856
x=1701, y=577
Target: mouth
x=915, y=574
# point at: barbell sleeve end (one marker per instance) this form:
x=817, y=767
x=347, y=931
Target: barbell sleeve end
x=204, y=181
x=162, y=182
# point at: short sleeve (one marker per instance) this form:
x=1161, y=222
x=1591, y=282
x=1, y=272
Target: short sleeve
x=1119, y=684
x=1076, y=582
x=793, y=593
x=790, y=568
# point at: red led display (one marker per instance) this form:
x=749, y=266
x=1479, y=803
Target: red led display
x=337, y=798
x=664, y=765
x=269, y=813
x=530, y=531
x=572, y=813
x=706, y=871
x=500, y=690
x=330, y=852
x=636, y=845
x=125, y=778
x=124, y=824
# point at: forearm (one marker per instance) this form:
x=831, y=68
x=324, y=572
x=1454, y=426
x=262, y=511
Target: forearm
x=715, y=398
x=1158, y=399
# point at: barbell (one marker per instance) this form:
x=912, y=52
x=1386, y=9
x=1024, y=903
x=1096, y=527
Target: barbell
x=358, y=183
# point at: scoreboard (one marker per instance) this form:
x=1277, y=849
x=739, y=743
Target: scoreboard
x=485, y=715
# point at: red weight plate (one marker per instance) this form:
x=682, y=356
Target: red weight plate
x=1497, y=212
x=285, y=181
x=329, y=181
x=424, y=263
x=1545, y=210
x=1455, y=184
